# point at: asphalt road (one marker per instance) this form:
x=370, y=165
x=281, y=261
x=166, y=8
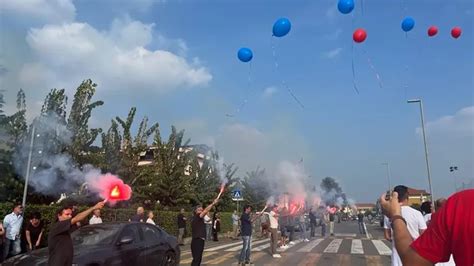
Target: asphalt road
x=347, y=247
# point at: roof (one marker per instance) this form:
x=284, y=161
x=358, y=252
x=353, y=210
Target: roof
x=417, y=192
x=365, y=205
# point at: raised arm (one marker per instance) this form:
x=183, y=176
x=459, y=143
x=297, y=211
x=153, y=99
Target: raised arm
x=208, y=208
x=83, y=215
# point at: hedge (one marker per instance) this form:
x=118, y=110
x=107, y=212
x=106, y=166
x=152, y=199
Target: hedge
x=165, y=219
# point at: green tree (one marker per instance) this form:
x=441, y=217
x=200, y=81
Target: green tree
x=256, y=188
x=111, y=142
x=78, y=121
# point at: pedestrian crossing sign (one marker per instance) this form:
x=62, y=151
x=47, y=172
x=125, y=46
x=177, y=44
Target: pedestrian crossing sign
x=236, y=195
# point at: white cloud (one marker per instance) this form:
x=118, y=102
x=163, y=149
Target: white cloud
x=116, y=59
x=334, y=35
x=333, y=53
x=269, y=92
x=461, y=124
x=44, y=10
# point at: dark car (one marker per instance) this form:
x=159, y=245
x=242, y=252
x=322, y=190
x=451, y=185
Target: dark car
x=114, y=244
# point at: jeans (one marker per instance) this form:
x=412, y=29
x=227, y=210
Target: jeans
x=323, y=229
x=208, y=231
x=304, y=234
x=292, y=233
x=11, y=248
x=274, y=240
x=361, y=228
x=197, y=247
x=246, y=248
x=312, y=225
x=180, y=236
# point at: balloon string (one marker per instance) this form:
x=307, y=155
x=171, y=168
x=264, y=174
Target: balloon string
x=353, y=71
x=285, y=85
x=373, y=68
x=246, y=99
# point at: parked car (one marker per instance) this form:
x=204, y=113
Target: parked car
x=114, y=244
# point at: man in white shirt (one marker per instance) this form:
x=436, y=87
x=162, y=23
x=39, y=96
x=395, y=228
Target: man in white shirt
x=273, y=219
x=96, y=217
x=415, y=222
x=208, y=223
x=12, y=225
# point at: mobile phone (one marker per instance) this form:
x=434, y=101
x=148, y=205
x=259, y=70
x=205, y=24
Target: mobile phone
x=387, y=195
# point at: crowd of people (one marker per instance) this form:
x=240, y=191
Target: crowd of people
x=440, y=234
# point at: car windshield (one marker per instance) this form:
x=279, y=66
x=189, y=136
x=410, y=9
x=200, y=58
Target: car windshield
x=94, y=235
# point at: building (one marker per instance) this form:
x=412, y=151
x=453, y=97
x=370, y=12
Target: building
x=417, y=196
x=364, y=207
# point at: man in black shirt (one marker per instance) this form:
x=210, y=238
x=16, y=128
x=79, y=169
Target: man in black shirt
x=198, y=229
x=360, y=219
x=181, y=227
x=34, y=231
x=246, y=233
x=60, y=246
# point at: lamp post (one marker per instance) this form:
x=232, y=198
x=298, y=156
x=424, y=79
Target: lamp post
x=453, y=169
x=420, y=103
x=28, y=164
x=388, y=176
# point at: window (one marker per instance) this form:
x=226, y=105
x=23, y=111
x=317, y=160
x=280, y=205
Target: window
x=151, y=234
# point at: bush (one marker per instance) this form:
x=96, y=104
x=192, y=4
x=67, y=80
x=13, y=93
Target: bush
x=165, y=219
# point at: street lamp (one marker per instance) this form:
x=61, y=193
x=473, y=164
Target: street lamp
x=388, y=176
x=420, y=103
x=452, y=169
x=28, y=165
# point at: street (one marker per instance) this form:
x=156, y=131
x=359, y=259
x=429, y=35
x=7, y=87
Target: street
x=347, y=247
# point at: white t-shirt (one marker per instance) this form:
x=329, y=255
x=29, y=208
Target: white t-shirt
x=273, y=220
x=415, y=223
x=95, y=220
x=150, y=221
x=207, y=219
x=235, y=219
x=427, y=217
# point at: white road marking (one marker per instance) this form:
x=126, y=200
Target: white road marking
x=356, y=247
x=253, y=243
x=333, y=247
x=382, y=249
x=310, y=245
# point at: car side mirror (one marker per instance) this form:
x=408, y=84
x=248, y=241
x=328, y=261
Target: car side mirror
x=125, y=240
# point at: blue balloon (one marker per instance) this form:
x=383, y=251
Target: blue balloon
x=408, y=24
x=245, y=54
x=281, y=27
x=345, y=6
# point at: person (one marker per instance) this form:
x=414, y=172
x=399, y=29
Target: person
x=2, y=235
x=139, y=217
x=181, y=227
x=12, y=225
x=265, y=225
x=246, y=233
x=208, y=223
x=283, y=222
x=198, y=230
x=95, y=219
x=235, y=224
x=151, y=215
x=273, y=219
x=302, y=226
x=324, y=221
x=415, y=222
x=360, y=219
x=312, y=222
x=291, y=227
x=450, y=231
x=34, y=232
x=426, y=211
x=60, y=246
x=332, y=218
x=216, y=225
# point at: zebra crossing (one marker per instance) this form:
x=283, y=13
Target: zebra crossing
x=370, y=249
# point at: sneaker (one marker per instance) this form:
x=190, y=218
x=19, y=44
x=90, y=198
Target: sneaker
x=306, y=240
x=276, y=255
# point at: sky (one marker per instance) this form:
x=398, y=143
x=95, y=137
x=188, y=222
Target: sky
x=176, y=61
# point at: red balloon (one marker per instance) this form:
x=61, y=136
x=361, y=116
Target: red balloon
x=432, y=31
x=359, y=35
x=456, y=32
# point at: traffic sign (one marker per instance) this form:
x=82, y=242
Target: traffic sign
x=237, y=195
